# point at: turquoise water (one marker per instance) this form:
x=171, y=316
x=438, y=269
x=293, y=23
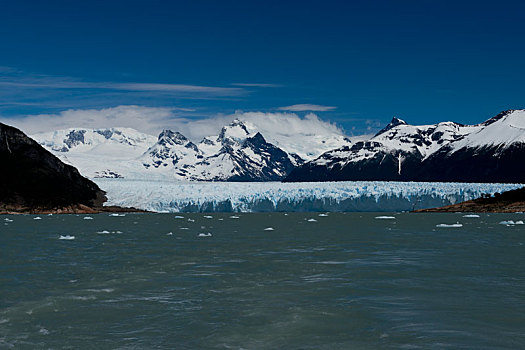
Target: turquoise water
x=344, y=281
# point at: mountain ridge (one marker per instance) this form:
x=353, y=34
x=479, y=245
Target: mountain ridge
x=491, y=151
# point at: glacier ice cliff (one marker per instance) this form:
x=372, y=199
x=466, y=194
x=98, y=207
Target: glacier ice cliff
x=166, y=196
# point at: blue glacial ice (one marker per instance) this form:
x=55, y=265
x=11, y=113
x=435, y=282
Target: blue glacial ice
x=377, y=196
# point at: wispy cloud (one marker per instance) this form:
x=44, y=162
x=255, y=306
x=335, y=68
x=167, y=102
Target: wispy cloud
x=307, y=108
x=38, y=82
x=263, y=85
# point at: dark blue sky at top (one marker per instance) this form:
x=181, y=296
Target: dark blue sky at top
x=423, y=61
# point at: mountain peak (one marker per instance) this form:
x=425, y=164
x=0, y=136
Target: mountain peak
x=235, y=130
x=172, y=137
x=393, y=123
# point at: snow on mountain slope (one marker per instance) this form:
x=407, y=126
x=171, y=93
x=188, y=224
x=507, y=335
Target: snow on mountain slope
x=83, y=140
x=501, y=131
x=164, y=196
x=398, y=140
x=98, y=152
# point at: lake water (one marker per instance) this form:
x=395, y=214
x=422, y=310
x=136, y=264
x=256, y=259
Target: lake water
x=262, y=281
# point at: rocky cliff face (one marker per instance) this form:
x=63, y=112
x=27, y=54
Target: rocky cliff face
x=32, y=178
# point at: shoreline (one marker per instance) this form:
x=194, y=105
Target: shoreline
x=73, y=209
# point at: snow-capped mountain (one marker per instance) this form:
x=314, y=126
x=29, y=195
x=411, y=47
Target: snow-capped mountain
x=493, y=152
x=235, y=154
x=487, y=152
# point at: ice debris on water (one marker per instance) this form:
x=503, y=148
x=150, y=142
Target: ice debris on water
x=117, y=214
x=511, y=222
x=385, y=217
x=179, y=217
x=471, y=216
x=191, y=220
x=323, y=215
x=205, y=234
x=8, y=220
x=268, y=229
x=234, y=217
x=88, y=218
x=169, y=233
x=208, y=216
x=66, y=237
x=456, y=225
x=312, y=220
x=106, y=232
x=37, y=218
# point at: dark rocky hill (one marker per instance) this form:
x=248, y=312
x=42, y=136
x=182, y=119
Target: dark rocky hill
x=33, y=179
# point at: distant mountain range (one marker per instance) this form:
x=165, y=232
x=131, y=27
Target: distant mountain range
x=238, y=153
x=493, y=151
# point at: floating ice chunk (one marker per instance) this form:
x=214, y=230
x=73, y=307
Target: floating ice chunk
x=208, y=216
x=384, y=217
x=103, y=232
x=508, y=222
x=234, y=217
x=117, y=214
x=37, y=218
x=471, y=216
x=191, y=220
x=220, y=219
x=268, y=229
x=8, y=220
x=43, y=331
x=169, y=233
x=88, y=218
x=519, y=222
x=66, y=237
x=457, y=224
x=103, y=290
x=323, y=215
x=183, y=228
x=312, y=220
x=179, y=217
x=205, y=234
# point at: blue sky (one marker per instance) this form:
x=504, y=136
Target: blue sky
x=359, y=62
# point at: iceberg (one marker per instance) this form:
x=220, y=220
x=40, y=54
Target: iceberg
x=344, y=196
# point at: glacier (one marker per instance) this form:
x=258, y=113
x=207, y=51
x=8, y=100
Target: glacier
x=372, y=196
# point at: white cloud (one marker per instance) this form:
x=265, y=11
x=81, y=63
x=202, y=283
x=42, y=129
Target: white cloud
x=307, y=107
x=153, y=119
x=145, y=119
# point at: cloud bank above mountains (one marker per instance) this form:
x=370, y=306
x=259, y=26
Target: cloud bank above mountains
x=152, y=120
